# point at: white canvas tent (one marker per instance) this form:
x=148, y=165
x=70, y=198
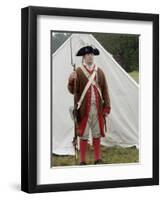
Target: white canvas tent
x=122, y=123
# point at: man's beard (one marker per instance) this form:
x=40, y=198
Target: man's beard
x=89, y=63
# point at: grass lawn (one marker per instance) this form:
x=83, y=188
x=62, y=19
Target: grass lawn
x=135, y=75
x=110, y=155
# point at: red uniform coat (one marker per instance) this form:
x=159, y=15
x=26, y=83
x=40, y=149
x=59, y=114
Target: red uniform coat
x=102, y=106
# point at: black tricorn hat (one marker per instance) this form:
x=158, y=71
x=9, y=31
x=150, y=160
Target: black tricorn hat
x=86, y=50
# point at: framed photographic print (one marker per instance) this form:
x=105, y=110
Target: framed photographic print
x=90, y=99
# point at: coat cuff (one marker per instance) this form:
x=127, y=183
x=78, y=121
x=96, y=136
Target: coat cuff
x=106, y=110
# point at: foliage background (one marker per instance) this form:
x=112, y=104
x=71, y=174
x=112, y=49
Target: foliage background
x=123, y=47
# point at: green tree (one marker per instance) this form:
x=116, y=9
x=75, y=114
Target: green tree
x=58, y=39
x=123, y=47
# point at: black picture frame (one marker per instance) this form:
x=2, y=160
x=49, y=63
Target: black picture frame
x=29, y=98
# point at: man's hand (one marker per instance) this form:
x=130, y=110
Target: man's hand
x=105, y=114
x=72, y=76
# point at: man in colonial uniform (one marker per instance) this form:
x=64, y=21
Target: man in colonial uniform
x=92, y=100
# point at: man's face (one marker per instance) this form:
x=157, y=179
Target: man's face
x=88, y=58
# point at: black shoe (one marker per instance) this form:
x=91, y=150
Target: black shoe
x=99, y=161
x=82, y=163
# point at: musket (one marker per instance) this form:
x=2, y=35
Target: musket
x=74, y=109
